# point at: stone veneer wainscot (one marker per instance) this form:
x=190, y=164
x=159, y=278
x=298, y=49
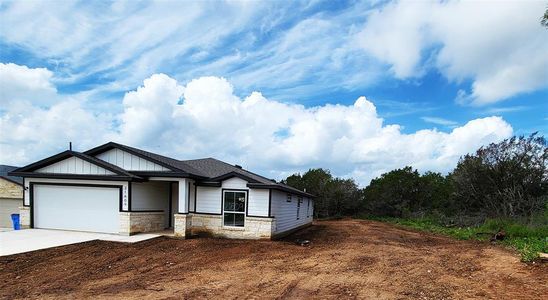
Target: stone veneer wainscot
x=135, y=222
x=255, y=228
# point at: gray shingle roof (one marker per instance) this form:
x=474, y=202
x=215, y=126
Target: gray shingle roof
x=214, y=168
x=4, y=174
x=169, y=162
x=207, y=168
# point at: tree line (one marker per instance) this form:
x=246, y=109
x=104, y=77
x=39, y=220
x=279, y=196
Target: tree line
x=508, y=179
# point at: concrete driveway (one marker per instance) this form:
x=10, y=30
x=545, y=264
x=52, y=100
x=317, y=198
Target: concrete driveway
x=19, y=241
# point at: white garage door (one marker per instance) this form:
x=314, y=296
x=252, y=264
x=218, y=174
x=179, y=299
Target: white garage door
x=82, y=208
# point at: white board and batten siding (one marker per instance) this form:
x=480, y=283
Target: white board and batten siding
x=234, y=183
x=74, y=165
x=258, y=202
x=128, y=161
x=286, y=212
x=210, y=198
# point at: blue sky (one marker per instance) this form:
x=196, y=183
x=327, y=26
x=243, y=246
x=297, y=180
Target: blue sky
x=441, y=78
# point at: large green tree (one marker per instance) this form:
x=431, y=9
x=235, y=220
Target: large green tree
x=334, y=196
x=394, y=194
x=506, y=179
x=406, y=193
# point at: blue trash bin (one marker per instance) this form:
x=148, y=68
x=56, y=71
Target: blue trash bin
x=15, y=221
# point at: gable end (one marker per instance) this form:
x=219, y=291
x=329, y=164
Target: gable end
x=129, y=161
x=74, y=165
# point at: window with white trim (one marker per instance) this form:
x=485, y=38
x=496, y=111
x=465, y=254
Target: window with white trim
x=234, y=208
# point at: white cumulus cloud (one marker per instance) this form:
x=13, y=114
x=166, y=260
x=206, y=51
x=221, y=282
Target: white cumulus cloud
x=281, y=138
x=22, y=84
x=499, y=45
x=205, y=118
x=36, y=121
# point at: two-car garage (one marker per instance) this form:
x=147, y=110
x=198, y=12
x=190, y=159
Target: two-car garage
x=92, y=208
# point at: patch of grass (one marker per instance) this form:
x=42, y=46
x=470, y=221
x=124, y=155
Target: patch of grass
x=528, y=247
x=527, y=240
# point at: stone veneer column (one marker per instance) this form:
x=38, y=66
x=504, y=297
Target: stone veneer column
x=182, y=225
x=125, y=224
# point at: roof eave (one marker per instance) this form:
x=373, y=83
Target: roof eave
x=208, y=183
x=167, y=174
x=66, y=154
x=233, y=174
x=77, y=176
x=11, y=180
x=280, y=188
x=48, y=160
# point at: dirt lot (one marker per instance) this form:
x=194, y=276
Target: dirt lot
x=347, y=259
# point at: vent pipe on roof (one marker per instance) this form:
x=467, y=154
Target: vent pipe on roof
x=70, y=146
x=238, y=166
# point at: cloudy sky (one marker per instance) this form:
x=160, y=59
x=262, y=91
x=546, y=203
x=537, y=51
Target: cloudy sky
x=357, y=87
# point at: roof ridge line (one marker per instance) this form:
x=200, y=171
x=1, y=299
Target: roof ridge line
x=140, y=152
x=246, y=170
x=185, y=160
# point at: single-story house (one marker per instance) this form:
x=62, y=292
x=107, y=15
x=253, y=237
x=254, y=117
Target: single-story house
x=11, y=195
x=114, y=188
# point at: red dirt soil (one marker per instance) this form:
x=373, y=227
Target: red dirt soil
x=350, y=259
